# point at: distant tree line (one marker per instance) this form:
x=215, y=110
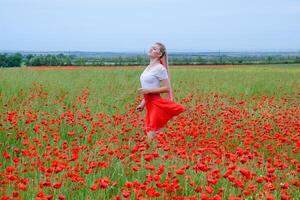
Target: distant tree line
x=48, y=60
x=14, y=60
x=17, y=60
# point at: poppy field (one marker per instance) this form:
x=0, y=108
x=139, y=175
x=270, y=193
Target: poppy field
x=74, y=133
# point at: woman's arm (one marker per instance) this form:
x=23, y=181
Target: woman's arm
x=142, y=103
x=164, y=89
x=141, y=106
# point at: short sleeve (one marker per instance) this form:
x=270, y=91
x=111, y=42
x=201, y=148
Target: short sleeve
x=162, y=74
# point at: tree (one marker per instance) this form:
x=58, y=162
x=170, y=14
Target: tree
x=14, y=60
x=67, y=61
x=269, y=59
x=3, y=60
x=35, y=61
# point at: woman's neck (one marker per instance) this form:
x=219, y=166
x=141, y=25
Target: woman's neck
x=154, y=61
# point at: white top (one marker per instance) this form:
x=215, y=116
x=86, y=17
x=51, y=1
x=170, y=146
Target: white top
x=151, y=77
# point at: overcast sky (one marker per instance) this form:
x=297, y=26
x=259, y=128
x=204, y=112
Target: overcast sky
x=133, y=25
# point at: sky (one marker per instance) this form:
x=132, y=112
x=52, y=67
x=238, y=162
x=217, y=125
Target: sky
x=134, y=25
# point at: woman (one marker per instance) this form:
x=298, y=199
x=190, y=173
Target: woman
x=158, y=110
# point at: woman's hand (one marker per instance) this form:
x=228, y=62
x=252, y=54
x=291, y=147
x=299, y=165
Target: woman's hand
x=140, y=108
x=144, y=91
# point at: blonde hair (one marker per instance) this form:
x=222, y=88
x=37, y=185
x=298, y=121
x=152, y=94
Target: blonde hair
x=165, y=63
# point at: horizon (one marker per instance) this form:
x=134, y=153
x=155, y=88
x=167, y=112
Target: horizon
x=143, y=52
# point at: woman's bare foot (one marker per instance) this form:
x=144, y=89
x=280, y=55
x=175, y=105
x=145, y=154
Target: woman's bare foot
x=152, y=134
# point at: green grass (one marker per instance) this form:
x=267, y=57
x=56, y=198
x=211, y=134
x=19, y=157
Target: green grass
x=119, y=86
x=49, y=93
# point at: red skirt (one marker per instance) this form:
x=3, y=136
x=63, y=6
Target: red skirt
x=159, y=111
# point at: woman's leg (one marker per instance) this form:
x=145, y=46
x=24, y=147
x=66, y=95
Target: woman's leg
x=152, y=134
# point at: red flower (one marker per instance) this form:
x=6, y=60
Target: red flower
x=135, y=168
x=152, y=193
x=271, y=170
x=93, y=187
x=209, y=189
x=126, y=193
x=61, y=197
x=285, y=186
x=270, y=197
x=22, y=186
x=245, y=173
x=148, y=157
x=129, y=184
x=40, y=194
x=238, y=183
x=235, y=198
x=259, y=180
x=285, y=196
x=71, y=133
x=5, y=155
x=198, y=189
x=56, y=185
x=179, y=171
x=15, y=194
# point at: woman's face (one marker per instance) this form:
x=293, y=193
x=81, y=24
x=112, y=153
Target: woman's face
x=154, y=51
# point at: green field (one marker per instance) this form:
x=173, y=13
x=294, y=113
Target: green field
x=118, y=87
x=247, y=117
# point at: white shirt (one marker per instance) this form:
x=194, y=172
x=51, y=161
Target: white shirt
x=151, y=77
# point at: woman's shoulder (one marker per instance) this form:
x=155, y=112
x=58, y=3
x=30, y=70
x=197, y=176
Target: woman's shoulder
x=161, y=67
x=158, y=67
